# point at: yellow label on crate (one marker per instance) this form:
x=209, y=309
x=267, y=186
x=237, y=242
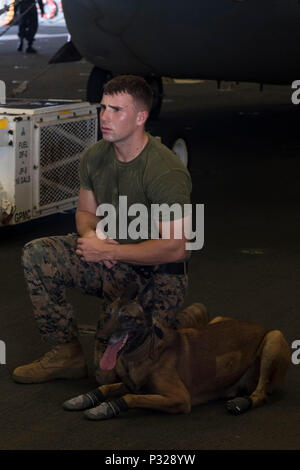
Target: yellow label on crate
x=3, y=123
x=65, y=112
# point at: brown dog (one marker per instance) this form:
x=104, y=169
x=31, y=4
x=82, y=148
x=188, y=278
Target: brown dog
x=173, y=370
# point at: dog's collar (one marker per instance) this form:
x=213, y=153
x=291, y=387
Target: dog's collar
x=147, y=348
x=158, y=331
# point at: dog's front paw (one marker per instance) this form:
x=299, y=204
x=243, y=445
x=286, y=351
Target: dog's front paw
x=106, y=410
x=83, y=402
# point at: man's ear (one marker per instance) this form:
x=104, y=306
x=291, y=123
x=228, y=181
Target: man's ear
x=142, y=117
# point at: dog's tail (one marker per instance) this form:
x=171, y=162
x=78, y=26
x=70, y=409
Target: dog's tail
x=193, y=316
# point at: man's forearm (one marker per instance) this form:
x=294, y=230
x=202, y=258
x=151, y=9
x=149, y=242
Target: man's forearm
x=150, y=252
x=86, y=222
x=170, y=248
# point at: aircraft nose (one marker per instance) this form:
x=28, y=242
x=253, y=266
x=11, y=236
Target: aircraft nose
x=97, y=28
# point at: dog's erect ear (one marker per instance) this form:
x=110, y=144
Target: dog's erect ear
x=130, y=292
x=145, y=296
x=158, y=331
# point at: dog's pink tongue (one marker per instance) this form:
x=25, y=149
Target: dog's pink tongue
x=109, y=358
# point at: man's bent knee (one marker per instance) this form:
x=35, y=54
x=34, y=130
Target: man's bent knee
x=34, y=252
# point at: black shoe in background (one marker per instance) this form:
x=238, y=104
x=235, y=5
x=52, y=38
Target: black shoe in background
x=20, y=45
x=31, y=50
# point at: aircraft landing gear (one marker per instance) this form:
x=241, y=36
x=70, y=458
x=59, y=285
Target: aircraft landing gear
x=95, y=84
x=180, y=148
x=156, y=85
x=94, y=90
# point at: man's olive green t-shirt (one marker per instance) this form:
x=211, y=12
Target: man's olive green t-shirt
x=155, y=177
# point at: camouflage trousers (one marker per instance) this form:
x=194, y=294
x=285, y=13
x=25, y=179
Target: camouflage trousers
x=51, y=265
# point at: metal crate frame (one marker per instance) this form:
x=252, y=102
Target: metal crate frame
x=58, y=147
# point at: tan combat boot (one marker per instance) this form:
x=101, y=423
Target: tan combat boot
x=65, y=361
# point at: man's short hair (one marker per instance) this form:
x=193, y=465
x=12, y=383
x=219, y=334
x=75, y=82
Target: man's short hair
x=135, y=86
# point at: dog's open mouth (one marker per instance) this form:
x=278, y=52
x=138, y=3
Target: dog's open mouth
x=109, y=358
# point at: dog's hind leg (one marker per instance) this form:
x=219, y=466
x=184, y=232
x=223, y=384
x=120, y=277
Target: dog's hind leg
x=274, y=362
x=219, y=319
x=275, y=359
x=193, y=316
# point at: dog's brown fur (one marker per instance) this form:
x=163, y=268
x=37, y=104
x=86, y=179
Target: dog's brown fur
x=175, y=369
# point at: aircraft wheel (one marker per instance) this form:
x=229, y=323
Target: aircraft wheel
x=156, y=85
x=95, y=84
x=180, y=148
x=51, y=9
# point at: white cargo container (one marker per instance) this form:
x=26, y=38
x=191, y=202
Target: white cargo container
x=41, y=143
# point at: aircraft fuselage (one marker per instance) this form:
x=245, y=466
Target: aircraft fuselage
x=241, y=40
